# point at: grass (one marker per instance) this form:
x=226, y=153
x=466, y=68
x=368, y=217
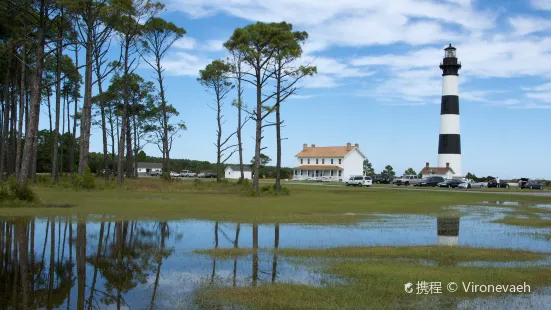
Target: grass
x=442, y=255
x=156, y=199
x=225, y=253
x=531, y=221
x=380, y=284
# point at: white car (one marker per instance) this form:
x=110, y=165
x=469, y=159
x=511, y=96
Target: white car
x=188, y=174
x=174, y=174
x=471, y=185
x=359, y=181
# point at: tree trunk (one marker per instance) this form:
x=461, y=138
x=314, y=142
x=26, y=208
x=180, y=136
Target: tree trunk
x=35, y=147
x=86, y=118
x=62, y=134
x=103, y=123
x=239, y=126
x=126, y=95
x=166, y=152
x=34, y=109
x=96, y=265
x=129, y=157
x=73, y=136
x=13, y=132
x=57, y=104
x=258, y=139
x=48, y=103
x=136, y=147
x=21, y=109
x=219, y=138
x=278, y=128
x=6, y=116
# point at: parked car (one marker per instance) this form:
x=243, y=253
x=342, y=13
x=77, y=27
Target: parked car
x=430, y=181
x=407, y=180
x=174, y=174
x=201, y=175
x=452, y=183
x=531, y=184
x=210, y=175
x=188, y=174
x=471, y=185
x=522, y=181
x=502, y=184
x=359, y=181
x=379, y=179
x=155, y=173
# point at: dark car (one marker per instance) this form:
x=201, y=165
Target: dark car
x=522, y=182
x=502, y=184
x=453, y=183
x=210, y=175
x=531, y=184
x=431, y=181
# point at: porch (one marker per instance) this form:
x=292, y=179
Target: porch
x=318, y=173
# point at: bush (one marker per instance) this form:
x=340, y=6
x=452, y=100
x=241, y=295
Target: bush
x=269, y=190
x=25, y=193
x=166, y=176
x=10, y=191
x=88, y=179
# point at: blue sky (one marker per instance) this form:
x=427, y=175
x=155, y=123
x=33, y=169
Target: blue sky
x=378, y=81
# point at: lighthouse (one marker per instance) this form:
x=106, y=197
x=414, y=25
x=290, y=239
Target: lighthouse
x=449, y=143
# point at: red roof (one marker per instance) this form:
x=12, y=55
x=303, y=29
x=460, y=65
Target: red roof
x=436, y=170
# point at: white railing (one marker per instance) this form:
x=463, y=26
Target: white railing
x=318, y=178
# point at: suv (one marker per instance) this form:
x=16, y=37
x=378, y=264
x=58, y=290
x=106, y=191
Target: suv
x=430, y=181
x=502, y=184
x=407, y=180
x=187, y=174
x=531, y=184
x=359, y=181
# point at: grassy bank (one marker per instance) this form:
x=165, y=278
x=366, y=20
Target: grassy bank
x=155, y=199
x=380, y=284
x=532, y=222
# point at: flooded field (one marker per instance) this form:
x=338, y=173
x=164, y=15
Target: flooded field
x=70, y=263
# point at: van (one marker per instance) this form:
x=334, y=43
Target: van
x=359, y=181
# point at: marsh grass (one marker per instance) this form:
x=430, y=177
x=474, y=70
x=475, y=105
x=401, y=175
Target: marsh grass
x=379, y=284
x=226, y=253
x=530, y=221
x=150, y=198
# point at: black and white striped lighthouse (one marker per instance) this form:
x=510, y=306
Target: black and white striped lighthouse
x=449, y=144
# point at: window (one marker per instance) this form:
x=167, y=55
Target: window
x=323, y=161
x=317, y=161
x=301, y=161
x=331, y=172
x=331, y=161
x=340, y=161
x=359, y=178
x=308, y=160
x=340, y=173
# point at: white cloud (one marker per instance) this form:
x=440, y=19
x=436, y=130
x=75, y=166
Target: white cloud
x=319, y=81
x=186, y=43
x=526, y=25
x=190, y=43
x=541, y=96
x=182, y=63
x=541, y=4
x=214, y=45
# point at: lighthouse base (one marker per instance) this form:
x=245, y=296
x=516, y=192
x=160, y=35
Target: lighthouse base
x=454, y=160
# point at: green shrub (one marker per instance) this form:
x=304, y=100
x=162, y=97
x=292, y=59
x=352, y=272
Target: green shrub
x=165, y=176
x=269, y=190
x=88, y=180
x=25, y=193
x=44, y=180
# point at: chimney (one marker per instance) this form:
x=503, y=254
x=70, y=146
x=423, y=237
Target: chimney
x=357, y=145
x=348, y=146
x=313, y=145
x=427, y=164
x=447, y=165
x=304, y=146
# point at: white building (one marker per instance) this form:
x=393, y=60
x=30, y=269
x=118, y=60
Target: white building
x=328, y=163
x=233, y=172
x=445, y=172
x=145, y=169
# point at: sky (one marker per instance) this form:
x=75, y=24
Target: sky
x=378, y=81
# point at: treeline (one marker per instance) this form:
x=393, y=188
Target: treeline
x=42, y=44
x=40, y=75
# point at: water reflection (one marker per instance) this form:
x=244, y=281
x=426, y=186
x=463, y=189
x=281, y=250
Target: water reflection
x=68, y=263
x=448, y=231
